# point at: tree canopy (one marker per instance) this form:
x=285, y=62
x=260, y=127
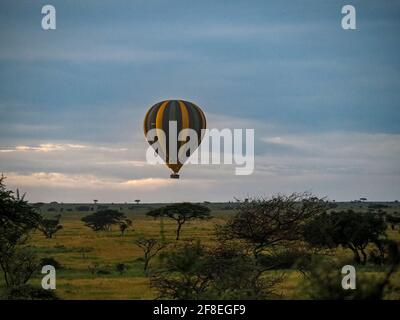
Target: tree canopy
x=349, y=229
x=50, y=226
x=265, y=223
x=17, y=217
x=103, y=220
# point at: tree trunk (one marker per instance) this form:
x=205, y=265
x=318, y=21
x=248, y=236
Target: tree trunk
x=364, y=261
x=357, y=257
x=178, y=230
x=146, y=262
x=5, y=275
x=381, y=249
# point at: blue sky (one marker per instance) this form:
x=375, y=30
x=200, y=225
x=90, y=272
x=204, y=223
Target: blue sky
x=324, y=101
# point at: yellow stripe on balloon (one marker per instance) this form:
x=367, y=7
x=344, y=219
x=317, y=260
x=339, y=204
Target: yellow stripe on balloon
x=160, y=115
x=185, y=115
x=185, y=120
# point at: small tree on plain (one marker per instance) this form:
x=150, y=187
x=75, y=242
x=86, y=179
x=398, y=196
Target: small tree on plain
x=150, y=247
x=103, y=220
x=124, y=225
x=50, y=226
x=181, y=213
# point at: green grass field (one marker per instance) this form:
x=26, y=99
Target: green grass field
x=77, y=248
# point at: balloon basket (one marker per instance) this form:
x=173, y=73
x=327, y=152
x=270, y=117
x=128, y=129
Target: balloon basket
x=174, y=176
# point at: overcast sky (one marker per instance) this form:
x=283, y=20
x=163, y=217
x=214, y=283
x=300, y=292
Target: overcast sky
x=324, y=102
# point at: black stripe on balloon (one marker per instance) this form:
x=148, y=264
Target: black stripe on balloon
x=174, y=115
x=197, y=122
x=201, y=116
x=202, y=120
x=179, y=119
x=150, y=120
x=150, y=123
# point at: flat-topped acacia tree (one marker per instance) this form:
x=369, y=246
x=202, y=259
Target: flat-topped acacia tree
x=181, y=212
x=103, y=220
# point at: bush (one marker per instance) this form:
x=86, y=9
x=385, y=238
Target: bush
x=97, y=269
x=29, y=292
x=120, y=268
x=51, y=261
x=193, y=271
x=324, y=279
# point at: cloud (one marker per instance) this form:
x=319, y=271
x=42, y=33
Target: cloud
x=337, y=153
x=49, y=147
x=72, y=181
x=59, y=147
x=341, y=144
x=341, y=165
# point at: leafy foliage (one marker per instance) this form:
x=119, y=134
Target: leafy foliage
x=17, y=220
x=194, y=271
x=50, y=226
x=323, y=279
x=29, y=292
x=103, y=220
x=349, y=229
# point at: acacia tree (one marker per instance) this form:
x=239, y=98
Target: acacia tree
x=50, y=226
x=267, y=223
x=103, y=220
x=150, y=247
x=181, y=213
x=349, y=229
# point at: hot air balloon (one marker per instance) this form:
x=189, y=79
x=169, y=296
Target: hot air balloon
x=186, y=115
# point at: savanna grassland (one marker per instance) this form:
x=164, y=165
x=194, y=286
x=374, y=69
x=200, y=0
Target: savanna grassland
x=80, y=250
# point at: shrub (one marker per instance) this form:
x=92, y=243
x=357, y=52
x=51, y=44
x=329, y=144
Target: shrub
x=120, y=268
x=50, y=261
x=194, y=271
x=29, y=292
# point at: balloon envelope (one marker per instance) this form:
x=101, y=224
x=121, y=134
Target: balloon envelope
x=187, y=116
